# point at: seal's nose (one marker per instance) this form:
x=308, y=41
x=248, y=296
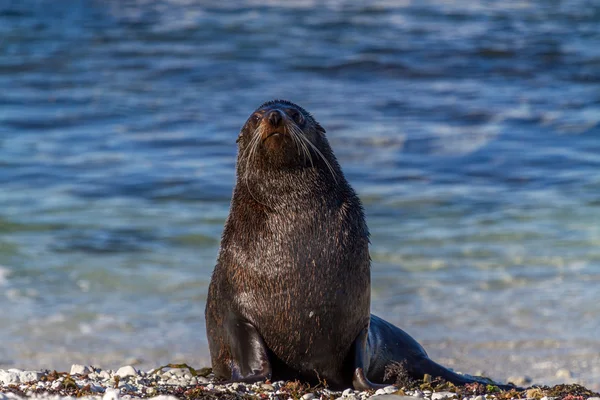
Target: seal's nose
x=274, y=118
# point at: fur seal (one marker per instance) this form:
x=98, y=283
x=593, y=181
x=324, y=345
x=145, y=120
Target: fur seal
x=290, y=294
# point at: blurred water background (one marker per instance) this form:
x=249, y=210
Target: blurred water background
x=470, y=129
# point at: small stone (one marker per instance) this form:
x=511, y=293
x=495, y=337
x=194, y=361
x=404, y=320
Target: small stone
x=210, y=386
x=267, y=386
x=201, y=379
x=379, y=392
x=111, y=394
x=131, y=388
x=30, y=376
x=351, y=397
x=238, y=387
x=126, y=371
x=418, y=394
x=347, y=392
x=391, y=397
x=77, y=369
x=104, y=375
x=96, y=388
x=309, y=396
x=8, y=377
x=480, y=397
x=442, y=395
x=390, y=389
x=178, y=372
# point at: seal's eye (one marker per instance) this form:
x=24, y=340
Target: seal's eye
x=255, y=118
x=297, y=116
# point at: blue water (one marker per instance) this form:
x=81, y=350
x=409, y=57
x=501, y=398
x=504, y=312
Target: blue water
x=470, y=129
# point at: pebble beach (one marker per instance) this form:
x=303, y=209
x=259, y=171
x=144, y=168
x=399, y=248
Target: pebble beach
x=183, y=382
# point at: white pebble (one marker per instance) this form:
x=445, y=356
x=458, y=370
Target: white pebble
x=442, y=395
x=30, y=376
x=308, y=396
x=178, y=372
x=77, y=369
x=347, y=392
x=8, y=377
x=104, y=375
x=379, y=392
x=390, y=389
x=126, y=371
x=111, y=394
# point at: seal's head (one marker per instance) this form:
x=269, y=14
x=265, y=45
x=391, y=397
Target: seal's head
x=282, y=135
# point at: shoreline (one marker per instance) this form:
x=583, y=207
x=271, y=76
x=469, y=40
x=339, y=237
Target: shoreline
x=179, y=381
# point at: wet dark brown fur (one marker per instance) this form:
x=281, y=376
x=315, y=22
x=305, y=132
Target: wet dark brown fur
x=290, y=294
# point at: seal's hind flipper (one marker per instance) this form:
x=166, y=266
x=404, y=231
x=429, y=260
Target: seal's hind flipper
x=389, y=344
x=428, y=366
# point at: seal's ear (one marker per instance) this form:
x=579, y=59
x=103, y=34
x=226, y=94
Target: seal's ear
x=319, y=128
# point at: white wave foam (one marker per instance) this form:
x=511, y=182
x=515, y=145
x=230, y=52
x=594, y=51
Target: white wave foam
x=4, y=273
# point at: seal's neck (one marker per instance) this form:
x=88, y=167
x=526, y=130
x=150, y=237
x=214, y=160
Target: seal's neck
x=285, y=188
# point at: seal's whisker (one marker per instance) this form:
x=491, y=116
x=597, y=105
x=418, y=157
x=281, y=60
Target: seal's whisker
x=252, y=148
x=300, y=136
x=290, y=131
x=307, y=141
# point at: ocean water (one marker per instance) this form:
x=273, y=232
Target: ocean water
x=470, y=130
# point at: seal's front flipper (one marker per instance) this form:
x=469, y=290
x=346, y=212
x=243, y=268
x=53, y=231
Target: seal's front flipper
x=249, y=356
x=361, y=364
